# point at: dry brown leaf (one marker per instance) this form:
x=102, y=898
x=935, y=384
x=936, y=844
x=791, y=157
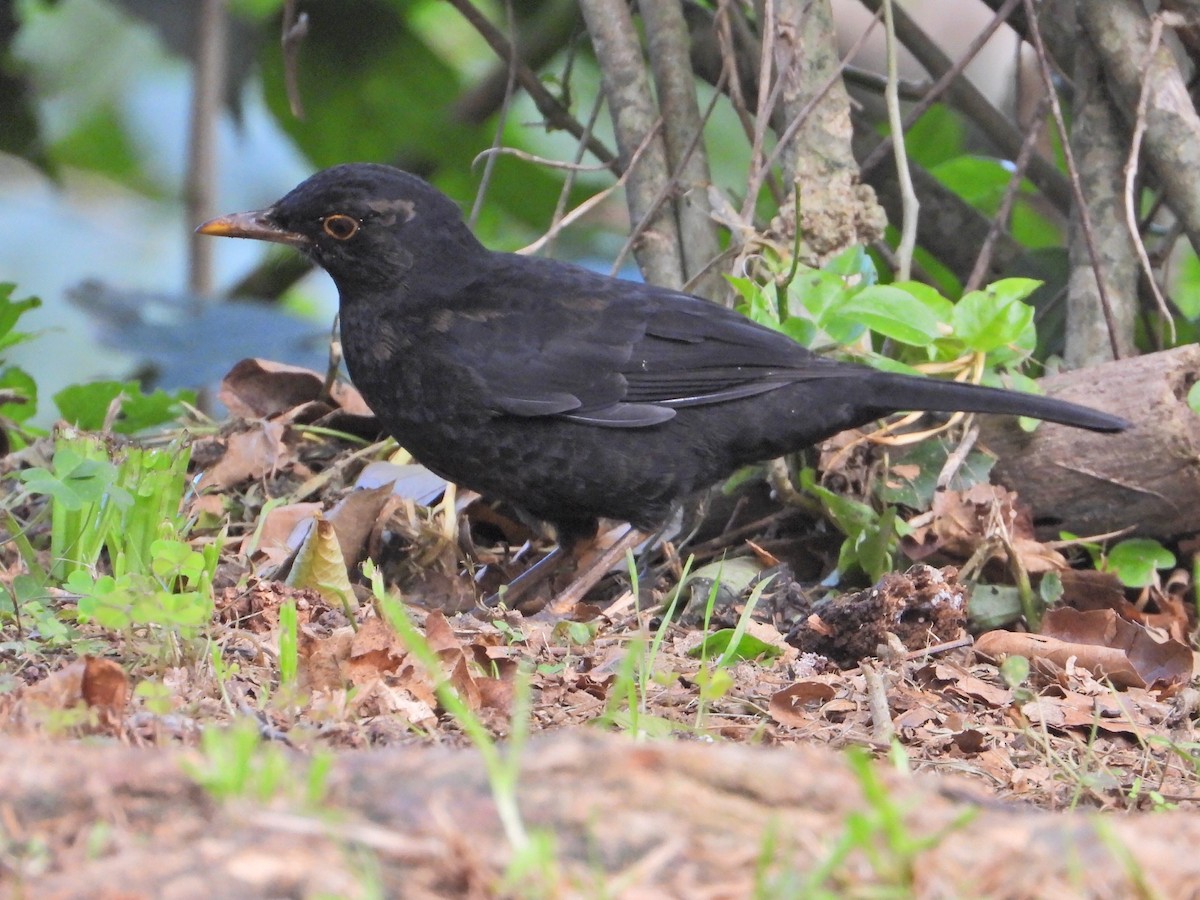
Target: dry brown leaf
x=375, y=650
x=961, y=521
x=321, y=660
x=275, y=537
x=1099, y=641
x=352, y=519
x=787, y=707
x=105, y=687
x=454, y=659
x=248, y=455
x=1103, y=662
x=1158, y=663
x=261, y=388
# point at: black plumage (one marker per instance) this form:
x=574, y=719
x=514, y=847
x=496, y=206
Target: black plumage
x=571, y=394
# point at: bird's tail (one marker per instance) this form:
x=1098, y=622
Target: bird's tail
x=891, y=391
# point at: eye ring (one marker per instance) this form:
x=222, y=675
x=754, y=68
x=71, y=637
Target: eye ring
x=340, y=227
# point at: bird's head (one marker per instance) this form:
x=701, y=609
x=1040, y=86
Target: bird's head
x=364, y=224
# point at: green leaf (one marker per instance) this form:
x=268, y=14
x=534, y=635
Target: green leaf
x=893, y=313
x=993, y=606
x=819, y=292
x=854, y=263
x=979, y=180
x=936, y=137
x=19, y=381
x=75, y=481
x=988, y=319
x=1134, y=561
x=929, y=457
x=10, y=311
x=86, y=405
x=748, y=646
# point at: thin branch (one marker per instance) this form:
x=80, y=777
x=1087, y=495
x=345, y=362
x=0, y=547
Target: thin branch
x=943, y=83
x=630, y=101
x=489, y=165
x=1085, y=220
x=293, y=33
x=675, y=84
x=1131, y=173
x=908, y=197
x=798, y=122
x=971, y=101
x=568, y=185
x=559, y=224
x=556, y=114
x=999, y=222
x=208, y=84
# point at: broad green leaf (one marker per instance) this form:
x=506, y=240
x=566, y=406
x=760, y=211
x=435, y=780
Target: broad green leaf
x=19, y=381
x=86, y=405
x=891, y=312
x=979, y=180
x=819, y=292
x=987, y=319
x=936, y=137
x=941, y=307
x=748, y=646
x=1134, y=561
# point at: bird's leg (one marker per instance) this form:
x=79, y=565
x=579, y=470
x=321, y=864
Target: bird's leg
x=566, y=601
x=527, y=580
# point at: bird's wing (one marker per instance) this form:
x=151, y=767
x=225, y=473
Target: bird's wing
x=622, y=355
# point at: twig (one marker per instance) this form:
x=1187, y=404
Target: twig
x=882, y=729
x=971, y=101
x=489, y=164
x=998, y=224
x=565, y=602
x=955, y=460
x=943, y=83
x=556, y=114
x=568, y=185
x=1085, y=220
x=208, y=85
x=908, y=197
x=1131, y=172
x=797, y=123
x=293, y=33
x=557, y=226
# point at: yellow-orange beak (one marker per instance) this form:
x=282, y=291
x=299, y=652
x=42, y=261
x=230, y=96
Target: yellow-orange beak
x=255, y=225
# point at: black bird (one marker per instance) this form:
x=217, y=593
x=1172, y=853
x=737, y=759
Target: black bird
x=571, y=394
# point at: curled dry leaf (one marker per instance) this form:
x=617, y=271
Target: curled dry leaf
x=99, y=684
x=961, y=521
x=788, y=707
x=262, y=389
x=321, y=565
x=1101, y=642
x=248, y=455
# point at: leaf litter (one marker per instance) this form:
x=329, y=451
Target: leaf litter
x=1102, y=710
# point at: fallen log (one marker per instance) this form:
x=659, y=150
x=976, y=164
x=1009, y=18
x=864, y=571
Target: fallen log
x=1147, y=477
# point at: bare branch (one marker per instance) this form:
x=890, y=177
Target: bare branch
x=967, y=97
x=294, y=31
x=1081, y=207
x=667, y=44
x=556, y=114
x=208, y=82
x=627, y=87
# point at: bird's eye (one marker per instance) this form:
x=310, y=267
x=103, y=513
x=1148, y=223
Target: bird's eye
x=340, y=227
